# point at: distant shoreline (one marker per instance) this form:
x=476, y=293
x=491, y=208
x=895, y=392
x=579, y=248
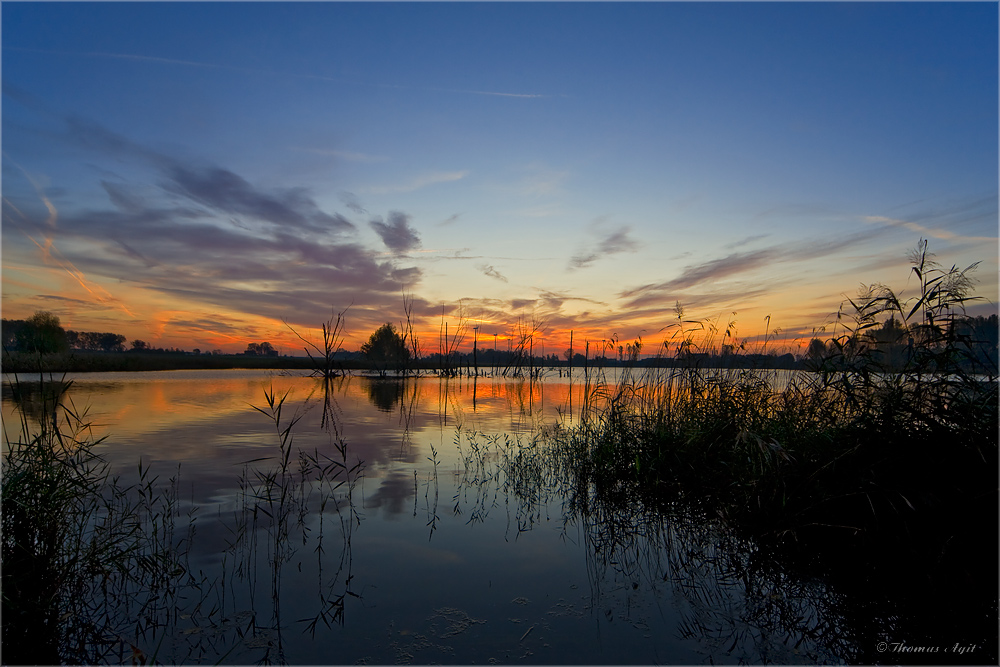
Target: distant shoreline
x=97, y=362
x=105, y=362
x=77, y=361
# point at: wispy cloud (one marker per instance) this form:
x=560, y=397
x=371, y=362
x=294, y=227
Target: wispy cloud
x=207, y=235
x=739, y=263
x=745, y=241
x=542, y=181
x=488, y=270
x=397, y=235
x=936, y=233
x=542, y=211
x=228, y=193
x=351, y=202
x=494, y=93
x=713, y=270
x=63, y=299
x=344, y=155
x=212, y=186
x=127, y=56
x=546, y=304
x=612, y=243
x=418, y=182
x=300, y=75
x=949, y=220
x=656, y=304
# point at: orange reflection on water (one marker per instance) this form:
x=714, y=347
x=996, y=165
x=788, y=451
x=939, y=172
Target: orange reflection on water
x=207, y=418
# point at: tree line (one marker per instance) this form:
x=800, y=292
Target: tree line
x=42, y=333
x=388, y=348
x=895, y=343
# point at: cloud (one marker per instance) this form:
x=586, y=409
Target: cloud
x=542, y=181
x=212, y=186
x=491, y=272
x=556, y=299
x=351, y=202
x=497, y=94
x=943, y=220
x=613, y=243
x=184, y=233
x=739, y=263
x=659, y=303
x=93, y=136
x=715, y=269
x=344, y=155
x=132, y=252
x=546, y=304
x=300, y=75
x=450, y=220
x=519, y=304
x=542, y=211
x=121, y=198
x=229, y=193
x=420, y=181
x=397, y=235
x=65, y=299
x=942, y=234
x=744, y=241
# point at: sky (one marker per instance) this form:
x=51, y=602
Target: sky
x=206, y=175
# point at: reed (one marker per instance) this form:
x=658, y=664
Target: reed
x=280, y=498
x=734, y=603
x=88, y=562
x=521, y=353
x=324, y=362
x=868, y=444
x=80, y=361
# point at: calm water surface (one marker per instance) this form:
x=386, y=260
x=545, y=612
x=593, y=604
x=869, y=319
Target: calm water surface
x=445, y=545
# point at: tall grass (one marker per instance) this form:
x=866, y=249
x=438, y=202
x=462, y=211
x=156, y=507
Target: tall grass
x=88, y=563
x=737, y=605
x=869, y=443
x=95, y=570
x=281, y=501
x=324, y=362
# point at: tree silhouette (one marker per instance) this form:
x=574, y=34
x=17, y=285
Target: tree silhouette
x=42, y=333
x=386, y=348
x=264, y=349
x=816, y=350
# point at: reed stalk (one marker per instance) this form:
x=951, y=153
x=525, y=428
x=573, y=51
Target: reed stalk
x=88, y=563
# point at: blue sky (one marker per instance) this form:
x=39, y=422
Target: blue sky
x=192, y=174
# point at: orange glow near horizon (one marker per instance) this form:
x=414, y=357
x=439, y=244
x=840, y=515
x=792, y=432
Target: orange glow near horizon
x=94, y=303
x=77, y=274
x=191, y=329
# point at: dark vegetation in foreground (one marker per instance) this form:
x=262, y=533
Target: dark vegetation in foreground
x=76, y=544
x=881, y=464
x=82, y=361
x=96, y=569
x=876, y=471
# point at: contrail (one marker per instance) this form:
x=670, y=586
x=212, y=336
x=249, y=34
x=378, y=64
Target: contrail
x=300, y=75
x=77, y=274
x=48, y=247
x=942, y=234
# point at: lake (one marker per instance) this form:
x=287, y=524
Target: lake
x=440, y=533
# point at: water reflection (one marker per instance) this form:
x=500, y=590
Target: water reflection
x=735, y=603
x=37, y=402
x=385, y=393
x=426, y=519
x=739, y=606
